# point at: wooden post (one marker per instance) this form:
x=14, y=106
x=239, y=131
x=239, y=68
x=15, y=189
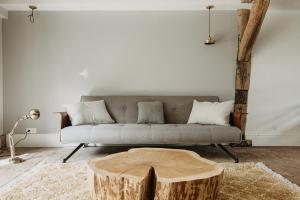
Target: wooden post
x=242, y=81
x=249, y=24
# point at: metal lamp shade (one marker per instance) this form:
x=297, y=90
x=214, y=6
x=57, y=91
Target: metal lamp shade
x=34, y=114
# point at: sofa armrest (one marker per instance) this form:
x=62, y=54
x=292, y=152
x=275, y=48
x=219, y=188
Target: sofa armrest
x=236, y=119
x=65, y=120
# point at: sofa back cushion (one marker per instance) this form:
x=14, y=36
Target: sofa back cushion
x=124, y=109
x=93, y=112
x=150, y=112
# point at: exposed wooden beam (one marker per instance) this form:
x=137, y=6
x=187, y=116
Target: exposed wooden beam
x=249, y=24
x=257, y=14
x=243, y=17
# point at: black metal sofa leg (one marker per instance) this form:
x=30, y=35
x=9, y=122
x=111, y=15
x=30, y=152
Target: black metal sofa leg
x=74, y=151
x=234, y=157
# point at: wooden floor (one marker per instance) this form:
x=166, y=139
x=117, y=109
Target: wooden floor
x=282, y=160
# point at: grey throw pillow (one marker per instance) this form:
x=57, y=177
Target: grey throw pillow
x=150, y=112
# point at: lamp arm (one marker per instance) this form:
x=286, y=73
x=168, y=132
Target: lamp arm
x=11, y=139
x=16, y=125
x=11, y=145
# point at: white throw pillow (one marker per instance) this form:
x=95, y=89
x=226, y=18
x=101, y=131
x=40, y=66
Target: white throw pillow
x=213, y=113
x=93, y=112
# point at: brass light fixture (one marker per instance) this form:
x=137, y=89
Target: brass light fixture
x=210, y=39
x=31, y=16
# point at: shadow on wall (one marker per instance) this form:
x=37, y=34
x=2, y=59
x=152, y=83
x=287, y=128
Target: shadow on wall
x=271, y=31
x=223, y=37
x=286, y=120
x=113, y=91
x=285, y=4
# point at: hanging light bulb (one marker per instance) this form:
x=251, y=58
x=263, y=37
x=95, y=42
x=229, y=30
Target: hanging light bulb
x=210, y=39
x=31, y=16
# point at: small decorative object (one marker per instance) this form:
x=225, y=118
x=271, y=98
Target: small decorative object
x=210, y=39
x=31, y=16
x=33, y=114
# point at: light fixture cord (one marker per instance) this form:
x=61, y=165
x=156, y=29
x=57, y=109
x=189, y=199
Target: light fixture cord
x=26, y=133
x=31, y=17
x=209, y=22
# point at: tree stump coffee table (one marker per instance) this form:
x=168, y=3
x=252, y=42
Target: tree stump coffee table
x=154, y=173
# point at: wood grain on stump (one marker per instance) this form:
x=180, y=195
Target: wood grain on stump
x=154, y=173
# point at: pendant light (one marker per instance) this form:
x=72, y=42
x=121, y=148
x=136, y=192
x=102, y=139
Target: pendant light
x=210, y=39
x=31, y=16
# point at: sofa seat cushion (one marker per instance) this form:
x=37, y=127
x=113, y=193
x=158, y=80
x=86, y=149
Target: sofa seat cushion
x=150, y=134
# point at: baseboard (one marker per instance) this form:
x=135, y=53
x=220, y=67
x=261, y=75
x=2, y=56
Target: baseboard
x=273, y=138
x=261, y=139
x=41, y=140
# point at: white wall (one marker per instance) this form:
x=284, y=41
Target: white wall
x=274, y=98
x=158, y=53
x=129, y=53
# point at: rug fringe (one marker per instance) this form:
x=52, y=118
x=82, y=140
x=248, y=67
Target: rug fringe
x=288, y=183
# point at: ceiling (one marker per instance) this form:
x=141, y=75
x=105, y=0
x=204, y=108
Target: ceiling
x=140, y=4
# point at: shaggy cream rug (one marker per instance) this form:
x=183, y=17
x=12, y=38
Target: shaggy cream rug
x=69, y=181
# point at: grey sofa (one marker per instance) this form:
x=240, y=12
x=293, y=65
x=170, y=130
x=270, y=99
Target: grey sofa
x=123, y=110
